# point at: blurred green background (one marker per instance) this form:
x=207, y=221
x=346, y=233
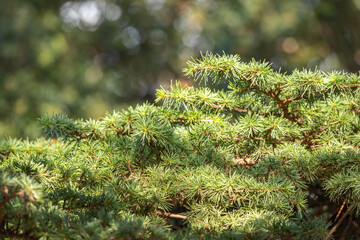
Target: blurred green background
x=85, y=58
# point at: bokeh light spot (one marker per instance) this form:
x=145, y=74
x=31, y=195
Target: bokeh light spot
x=113, y=12
x=131, y=37
x=290, y=45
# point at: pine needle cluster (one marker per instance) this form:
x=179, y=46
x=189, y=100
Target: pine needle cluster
x=246, y=162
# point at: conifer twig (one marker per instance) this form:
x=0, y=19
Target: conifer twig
x=340, y=210
x=170, y=215
x=258, y=190
x=339, y=222
x=129, y=167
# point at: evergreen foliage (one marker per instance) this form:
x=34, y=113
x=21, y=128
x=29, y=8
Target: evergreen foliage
x=246, y=162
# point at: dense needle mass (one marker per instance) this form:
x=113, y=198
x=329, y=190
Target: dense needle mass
x=244, y=162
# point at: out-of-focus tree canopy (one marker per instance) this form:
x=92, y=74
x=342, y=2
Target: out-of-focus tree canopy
x=88, y=57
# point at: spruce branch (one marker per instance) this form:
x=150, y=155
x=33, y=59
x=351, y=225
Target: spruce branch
x=214, y=102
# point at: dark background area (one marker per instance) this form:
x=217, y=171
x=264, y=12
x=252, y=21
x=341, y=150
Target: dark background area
x=86, y=58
